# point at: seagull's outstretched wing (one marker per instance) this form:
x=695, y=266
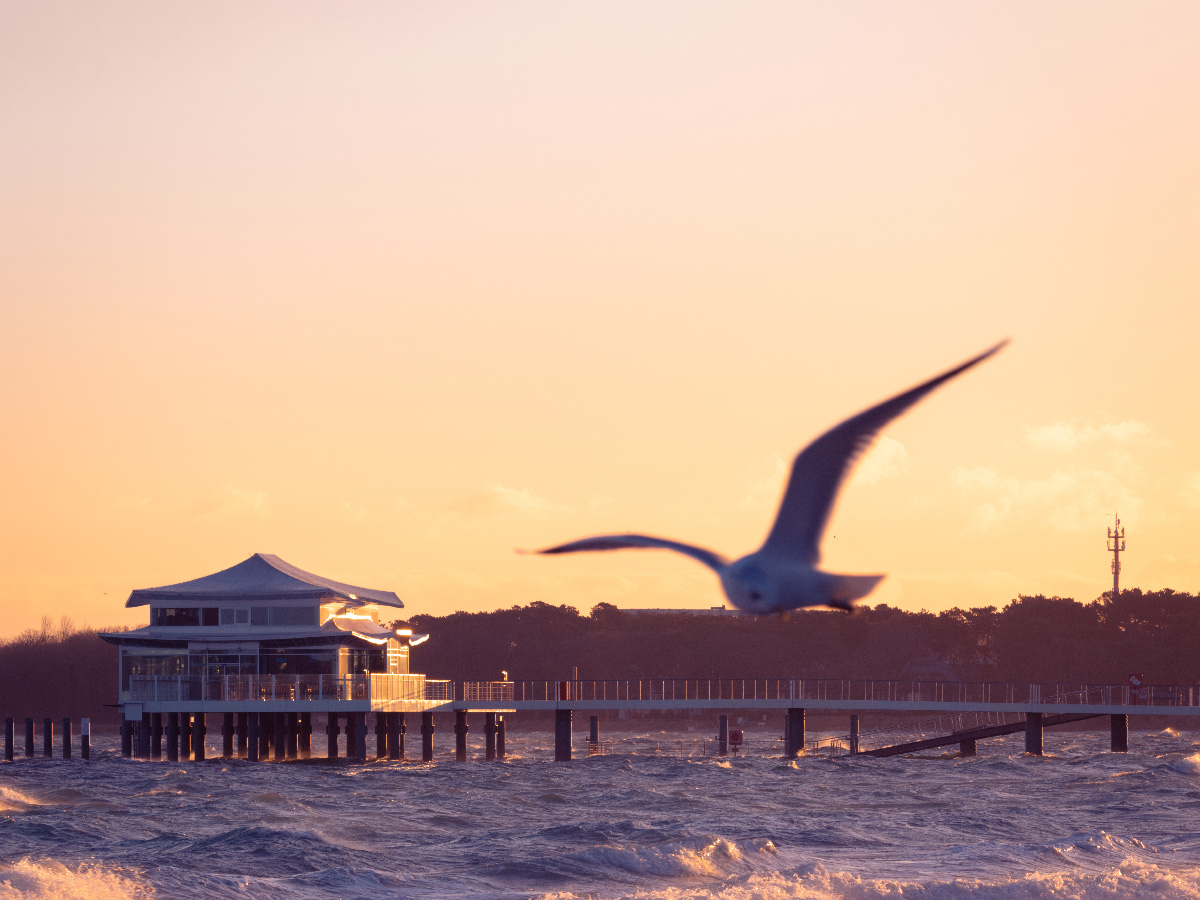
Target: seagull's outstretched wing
x=714, y=561
x=820, y=468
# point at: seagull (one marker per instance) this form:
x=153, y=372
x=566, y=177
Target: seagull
x=782, y=574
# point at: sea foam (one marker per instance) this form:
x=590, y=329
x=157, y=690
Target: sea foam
x=50, y=880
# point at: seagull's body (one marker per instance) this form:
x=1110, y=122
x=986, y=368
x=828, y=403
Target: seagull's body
x=782, y=574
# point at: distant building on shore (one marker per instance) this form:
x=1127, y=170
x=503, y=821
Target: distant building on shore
x=710, y=611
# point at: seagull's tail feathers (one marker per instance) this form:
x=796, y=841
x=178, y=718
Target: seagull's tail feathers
x=846, y=590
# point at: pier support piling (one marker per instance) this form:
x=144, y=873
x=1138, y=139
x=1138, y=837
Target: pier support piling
x=967, y=747
x=228, y=733
x=29, y=739
x=501, y=750
x=854, y=731
x=593, y=729
x=489, y=736
x=172, y=737
x=793, y=744
x=1033, y=733
x=67, y=739
x=252, y=739
x=85, y=738
x=292, y=734
x=48, y=738
x=562, y=735
x=460, y=735
x=10, y=738
x=279, y=728
x=266, y=728
x=126, y=738
x=360, y=736
x=395, y=738
x=242, y=735
x=381, y=734
x=156, y=734
x=427, y=736
x=143, y=737
x=723, y=736
x=305, y=737
x=331, y=734
x=1119, y=733
x=185, y=736
x=198, y=731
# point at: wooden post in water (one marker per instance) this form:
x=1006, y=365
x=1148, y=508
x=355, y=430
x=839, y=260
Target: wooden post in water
x=48, y=738
x=156, y=730
x=793, y=744
x=305, y=735
x=243, y=736
x=381, y=735
x=280, y=731
x=562, y=735
x=143, y=737
x=252, y=726
x=67, y=739
x=593, y=729
x=501, y=751
x=1033, y=733
x=228, y=733
x=266, y=728
x=331, y=735
x=395, y=738
x=489, y=736
x=967, y=747
x=1119, y=733
x=198, y=731
x=29, y=738
x=427, y=736
x=85, y=738
x=360, y=736
x=723, y=736
x=292, y=734
x=460, y=735
x=10, y=738
x=172, y=737
x=185, y=736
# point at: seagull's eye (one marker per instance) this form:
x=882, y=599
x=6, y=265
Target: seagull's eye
x=755, y=595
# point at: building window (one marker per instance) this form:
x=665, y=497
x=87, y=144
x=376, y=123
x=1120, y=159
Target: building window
x=185, y=616
x=235, y=616
x=291, y=616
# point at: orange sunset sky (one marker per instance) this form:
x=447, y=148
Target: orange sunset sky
x=391, y=289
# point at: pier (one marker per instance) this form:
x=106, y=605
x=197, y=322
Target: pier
x=270, y=716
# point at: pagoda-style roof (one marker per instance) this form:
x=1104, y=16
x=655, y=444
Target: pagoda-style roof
x=263, y=576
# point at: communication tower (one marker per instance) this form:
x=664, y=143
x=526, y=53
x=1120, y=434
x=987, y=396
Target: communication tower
x=1116, y=543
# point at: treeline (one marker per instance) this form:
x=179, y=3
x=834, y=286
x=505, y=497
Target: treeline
x=1034, y=638
x=58, y=671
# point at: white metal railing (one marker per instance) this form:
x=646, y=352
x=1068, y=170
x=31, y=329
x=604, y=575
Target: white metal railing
x=374, y=688
x=800, y=690
x=441, y=690
x=488, y=691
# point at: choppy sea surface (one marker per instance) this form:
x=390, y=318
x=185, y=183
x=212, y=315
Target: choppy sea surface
x=1079, y=822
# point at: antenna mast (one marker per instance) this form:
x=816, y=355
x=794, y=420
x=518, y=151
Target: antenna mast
x=1116, y=543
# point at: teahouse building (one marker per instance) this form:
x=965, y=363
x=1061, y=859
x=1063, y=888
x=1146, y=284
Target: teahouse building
x=264, y=638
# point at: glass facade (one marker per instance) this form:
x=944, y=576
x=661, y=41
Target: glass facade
x=262, y=616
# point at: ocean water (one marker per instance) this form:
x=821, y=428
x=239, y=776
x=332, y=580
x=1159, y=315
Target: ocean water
x=1077, y=823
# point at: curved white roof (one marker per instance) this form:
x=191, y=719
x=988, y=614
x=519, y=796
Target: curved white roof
x=263, y=576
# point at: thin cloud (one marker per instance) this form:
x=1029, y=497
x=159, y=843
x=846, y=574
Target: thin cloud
x=230, y=502
x=498, y=500
x=1069, y=500
x=1066, y=436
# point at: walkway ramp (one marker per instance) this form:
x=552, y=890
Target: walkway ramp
x=970, y=735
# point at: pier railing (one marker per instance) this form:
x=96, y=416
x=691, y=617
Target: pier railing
x=383, y=690
x=835, y=690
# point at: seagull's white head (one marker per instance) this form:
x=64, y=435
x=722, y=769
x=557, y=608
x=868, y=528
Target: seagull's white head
x=749, y=588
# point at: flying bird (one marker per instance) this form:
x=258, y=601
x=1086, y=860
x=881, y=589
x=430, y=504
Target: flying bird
x=782, y=574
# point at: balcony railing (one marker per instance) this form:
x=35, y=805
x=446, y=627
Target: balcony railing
x=375, y=688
